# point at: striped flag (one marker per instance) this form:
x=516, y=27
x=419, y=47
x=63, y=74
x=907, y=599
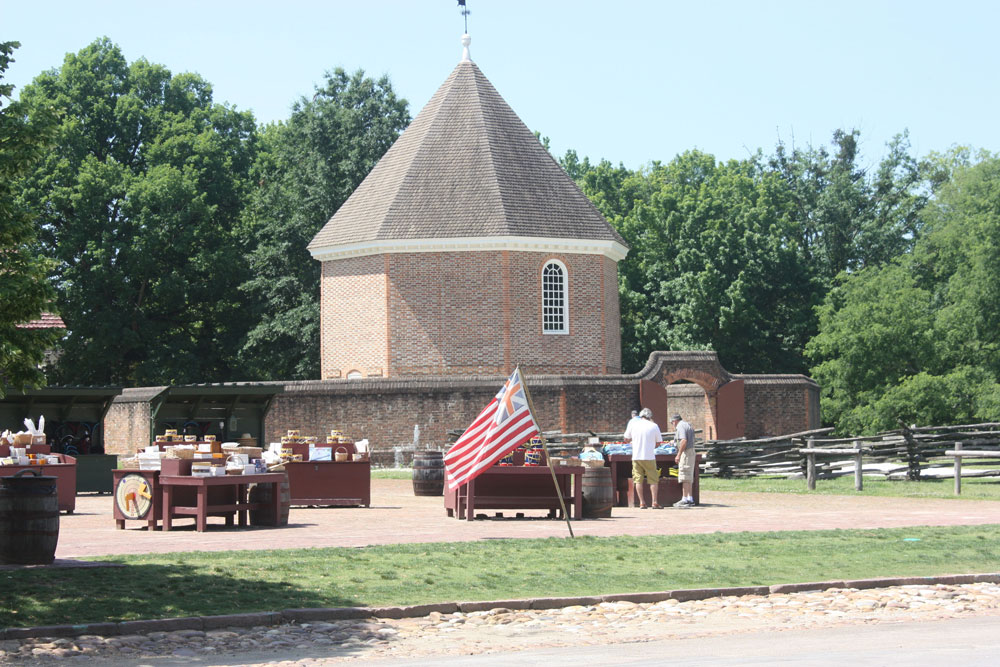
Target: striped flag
x=500, y=428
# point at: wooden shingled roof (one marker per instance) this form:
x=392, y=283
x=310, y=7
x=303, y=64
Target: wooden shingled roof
x=466, y=167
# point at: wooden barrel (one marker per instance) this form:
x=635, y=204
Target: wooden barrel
x=29, y=518
x=598, y=493
x=261, y=493
x=428, y=473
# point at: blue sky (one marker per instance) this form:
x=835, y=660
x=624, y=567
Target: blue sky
x=629, y=81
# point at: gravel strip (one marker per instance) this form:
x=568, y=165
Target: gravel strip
x=504, y=629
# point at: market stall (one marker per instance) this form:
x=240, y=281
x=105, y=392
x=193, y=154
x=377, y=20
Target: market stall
x=60, y=466
x=336, y=472
x=230, y=412
x=72, y=426
x=234, y=487
x=668, y=491
x=180, y=475
x=519, y=487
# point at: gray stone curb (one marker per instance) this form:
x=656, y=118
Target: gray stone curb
x=413, y=611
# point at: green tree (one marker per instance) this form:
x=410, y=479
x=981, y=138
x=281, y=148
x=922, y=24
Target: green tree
x=715, y=263
x=306, y=169
x=918, y=339
x=851, y=217
x=25, y=291
x=140, y=201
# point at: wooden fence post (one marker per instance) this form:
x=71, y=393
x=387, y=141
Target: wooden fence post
x=858, y=482
x=810, y=466
x=958, y=469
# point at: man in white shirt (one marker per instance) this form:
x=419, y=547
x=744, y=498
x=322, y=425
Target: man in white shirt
x=644, y=434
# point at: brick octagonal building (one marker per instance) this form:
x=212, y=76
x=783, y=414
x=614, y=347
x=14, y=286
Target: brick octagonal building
x=468, y=250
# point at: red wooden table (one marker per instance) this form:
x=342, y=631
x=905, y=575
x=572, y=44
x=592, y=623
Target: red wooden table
x=621, y=475
x=518, y=487
x=202, y=508
x=330, y=482
x=64, y=472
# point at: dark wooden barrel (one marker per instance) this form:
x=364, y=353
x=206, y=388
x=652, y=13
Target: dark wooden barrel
x=261, y=493
x=598, y=493
x=428, y=473
x=29, y=518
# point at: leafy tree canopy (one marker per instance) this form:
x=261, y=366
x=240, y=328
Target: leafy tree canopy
x=139, y=205
x=25, y=291
x=919, y=339
x=306, y=169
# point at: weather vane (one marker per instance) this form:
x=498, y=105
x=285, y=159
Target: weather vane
x=465, y=13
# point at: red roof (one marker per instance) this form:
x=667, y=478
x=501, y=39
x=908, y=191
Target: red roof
x=46, y=321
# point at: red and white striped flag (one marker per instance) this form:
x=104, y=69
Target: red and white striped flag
x=500, y=428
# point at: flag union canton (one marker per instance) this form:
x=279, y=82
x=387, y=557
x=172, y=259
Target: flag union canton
x=503, y=425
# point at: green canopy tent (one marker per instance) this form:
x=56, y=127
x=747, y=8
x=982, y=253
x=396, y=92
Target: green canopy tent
x=227, y=410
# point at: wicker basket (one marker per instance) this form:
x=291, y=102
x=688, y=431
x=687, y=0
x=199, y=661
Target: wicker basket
x=247, y=442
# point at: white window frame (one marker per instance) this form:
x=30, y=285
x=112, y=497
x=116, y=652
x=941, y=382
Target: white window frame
x=555, y=310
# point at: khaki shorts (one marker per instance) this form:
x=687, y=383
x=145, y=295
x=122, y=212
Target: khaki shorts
x=647, y=470
x=685, y=465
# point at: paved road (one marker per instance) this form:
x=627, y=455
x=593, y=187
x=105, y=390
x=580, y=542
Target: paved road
x=970, y=642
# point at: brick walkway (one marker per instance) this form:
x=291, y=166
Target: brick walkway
x=397, y=516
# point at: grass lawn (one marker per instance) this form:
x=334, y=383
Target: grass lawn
x=392, y=473
x=210, y=583
x=973, y=488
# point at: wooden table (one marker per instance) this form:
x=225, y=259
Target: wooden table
x=621, y=476
x=202, y=509
x=64, y=472
x=518, y=487
x=344, y=483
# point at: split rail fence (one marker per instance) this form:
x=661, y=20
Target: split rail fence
x=909, y=450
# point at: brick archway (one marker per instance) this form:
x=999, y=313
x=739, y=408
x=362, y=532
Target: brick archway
x=720, y=416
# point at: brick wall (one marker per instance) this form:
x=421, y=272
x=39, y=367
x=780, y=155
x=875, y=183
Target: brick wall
x=126, y=427
x=777, y=404
x=465, y=313
x=385, y=410
x=445, y=313
x=691, y=403
x=612, y=319
x=353, y=334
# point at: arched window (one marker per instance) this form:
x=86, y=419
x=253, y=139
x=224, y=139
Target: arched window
x=555, y=298
x=354, y=375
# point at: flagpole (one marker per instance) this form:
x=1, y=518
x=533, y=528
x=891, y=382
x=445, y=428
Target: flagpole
x=548, y=461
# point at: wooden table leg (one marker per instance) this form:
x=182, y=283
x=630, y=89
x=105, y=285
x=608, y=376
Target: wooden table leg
x=470, y=503
x=577, y=497
x=276, y=502
x=168, y=505
x=201, y=518
x=241, y=500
